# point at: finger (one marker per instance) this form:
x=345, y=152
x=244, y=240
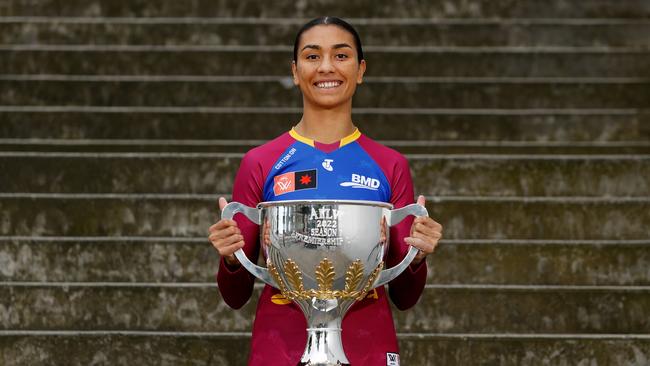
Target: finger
x=223, y=224
x=419, y=244
x=231, y=249
x=433, y=238
x=427, y=221
x=222, y=203
x=431, y=223
x=421, y=200
x=218, y=237
x=426, y=230
x=223, y=230
x=219, y=244
x=436, y=226
x=225, y=233
x=220, y=225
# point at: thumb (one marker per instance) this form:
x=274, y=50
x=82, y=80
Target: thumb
x=421, y=200
x=222, y=203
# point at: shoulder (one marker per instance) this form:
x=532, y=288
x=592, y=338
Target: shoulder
x=253, y=170
x=382, y=154
x=268, y=152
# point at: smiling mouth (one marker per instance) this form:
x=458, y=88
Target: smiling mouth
x=328, y=84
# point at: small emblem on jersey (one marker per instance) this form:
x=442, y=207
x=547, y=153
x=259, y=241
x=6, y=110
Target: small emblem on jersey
x=327, y=165
x=392, y=359
x=306, y=179
x=360, y=181
x=294, y=181
x=284, y=183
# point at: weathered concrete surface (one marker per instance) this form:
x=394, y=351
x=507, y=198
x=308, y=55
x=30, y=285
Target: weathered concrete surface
x=233, y=350
x=540, y=263
x=265, y=125
x=371, y=94
x=472, y=175
x=122, y=307
x=365, y=8
x=441, y=309
x=108, y=261
x=462, y=217
x=15, y=145
x=432, y=62
x=82, y=350
x=518, y=351
x=479, y=33
x=527, y=49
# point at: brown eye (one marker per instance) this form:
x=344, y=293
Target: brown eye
x=342, y=56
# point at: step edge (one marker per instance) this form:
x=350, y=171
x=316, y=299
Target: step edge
x=401, y=335
x=448, y=287
x=299, y=21
x=202, y=240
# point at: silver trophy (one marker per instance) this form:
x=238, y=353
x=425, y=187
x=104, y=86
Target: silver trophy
x=324, y=256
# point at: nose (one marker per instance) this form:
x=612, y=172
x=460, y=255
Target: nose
x=325, y=65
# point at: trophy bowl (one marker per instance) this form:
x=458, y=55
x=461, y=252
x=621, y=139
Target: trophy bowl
x=324, y=255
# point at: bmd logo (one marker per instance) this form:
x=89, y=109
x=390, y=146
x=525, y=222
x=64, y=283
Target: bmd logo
x=360, y=181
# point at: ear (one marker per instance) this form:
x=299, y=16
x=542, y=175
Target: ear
x=362, y=70
x=294, y=71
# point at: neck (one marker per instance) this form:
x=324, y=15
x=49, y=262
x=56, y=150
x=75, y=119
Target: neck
x=326, y=125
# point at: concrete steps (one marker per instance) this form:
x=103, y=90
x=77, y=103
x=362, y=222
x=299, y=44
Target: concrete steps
x=437, y=175
x=524, y=349
x=530, y=127
x=285, y=8
x=31, y=146
x=413, y=61
x=454, y=32
x=189, y=260
x=122, y=348
x=262, y=91
x=526, y=124
x=173, y=348
x=197, y=307
x=464, y=217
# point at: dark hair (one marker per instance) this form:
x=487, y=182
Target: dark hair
x=329, y=21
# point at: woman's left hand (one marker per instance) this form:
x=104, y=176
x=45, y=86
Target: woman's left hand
x=425, y=234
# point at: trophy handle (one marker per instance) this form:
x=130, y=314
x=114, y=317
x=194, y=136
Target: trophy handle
x=252, y=214
x=396, y=216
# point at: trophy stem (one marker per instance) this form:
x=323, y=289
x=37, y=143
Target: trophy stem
x=324, y=345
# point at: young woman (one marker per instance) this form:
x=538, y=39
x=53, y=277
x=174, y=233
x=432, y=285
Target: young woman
x=324, y=157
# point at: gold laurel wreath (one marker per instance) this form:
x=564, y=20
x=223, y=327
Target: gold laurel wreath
x=294, y=288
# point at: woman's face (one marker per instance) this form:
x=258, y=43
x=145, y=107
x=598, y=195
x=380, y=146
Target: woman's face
x=326, y=69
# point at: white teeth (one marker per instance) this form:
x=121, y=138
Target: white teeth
x=328, y=84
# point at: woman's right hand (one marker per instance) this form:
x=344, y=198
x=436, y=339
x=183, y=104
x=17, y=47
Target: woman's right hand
x=226, y=237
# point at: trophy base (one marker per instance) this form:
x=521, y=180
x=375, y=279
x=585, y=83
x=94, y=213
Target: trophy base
x=324, y=347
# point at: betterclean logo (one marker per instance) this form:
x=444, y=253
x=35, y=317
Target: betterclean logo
x=363, y=182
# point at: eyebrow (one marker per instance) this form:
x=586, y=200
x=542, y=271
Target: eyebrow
x=317, y=47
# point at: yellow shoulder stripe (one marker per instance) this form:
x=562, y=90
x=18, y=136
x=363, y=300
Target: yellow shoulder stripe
x=301, y=138
x=350, y=138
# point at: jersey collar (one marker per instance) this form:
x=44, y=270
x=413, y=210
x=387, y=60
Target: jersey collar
x=344, y=141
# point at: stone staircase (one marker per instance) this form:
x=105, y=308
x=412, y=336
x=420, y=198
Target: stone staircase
x=527, y=125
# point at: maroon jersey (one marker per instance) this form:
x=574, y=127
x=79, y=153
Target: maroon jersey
x=364, y=169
